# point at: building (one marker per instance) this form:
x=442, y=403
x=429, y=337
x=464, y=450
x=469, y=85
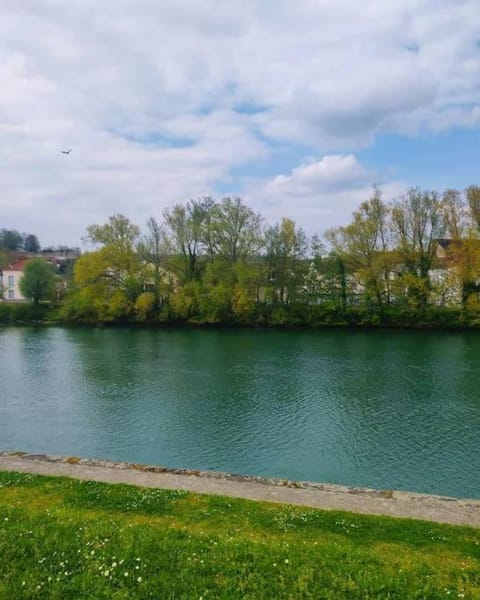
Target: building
x=10, y=281
x=60, y=253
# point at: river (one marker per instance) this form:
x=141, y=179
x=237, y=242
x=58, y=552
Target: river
x=383, y=409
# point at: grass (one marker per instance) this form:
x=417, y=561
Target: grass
x=61, y=538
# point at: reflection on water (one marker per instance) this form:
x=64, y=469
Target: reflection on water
x=381, y=409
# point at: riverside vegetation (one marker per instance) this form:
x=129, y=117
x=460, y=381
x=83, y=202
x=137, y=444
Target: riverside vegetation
x=411, y=262
x=61, y=538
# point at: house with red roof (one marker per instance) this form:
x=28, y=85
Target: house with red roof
x=10, y=280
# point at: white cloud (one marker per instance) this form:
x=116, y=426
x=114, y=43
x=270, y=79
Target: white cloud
x=320, y=194
x=327, y=175
x=161, y=100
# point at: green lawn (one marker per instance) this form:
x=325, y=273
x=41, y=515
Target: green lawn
x=61, y=538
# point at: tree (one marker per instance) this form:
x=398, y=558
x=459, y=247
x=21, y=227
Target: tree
x=473, y=198
x=38, y=280
x=363, y=243
x=250, y=280
x=462, y=243
x=334, y=282
x=4, y=259
x=286, y=249
x=152, y=249
x=10, y=239
x=31, y=243
x=109, y=292
x=108, y=280
x=118, y=253
x=454, y=213
x=119, y=233
x=416, y=225
x=185, y=233
x=235, y=229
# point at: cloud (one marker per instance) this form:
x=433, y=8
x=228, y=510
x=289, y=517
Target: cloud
x=320, y=194
x=330, y=174
x=165, y=100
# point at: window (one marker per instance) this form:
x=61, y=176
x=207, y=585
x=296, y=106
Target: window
x=11, y=280
x=10, y=295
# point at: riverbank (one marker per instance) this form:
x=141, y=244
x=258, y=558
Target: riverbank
x=440, y=509
x=291, y=316
x=61, y=537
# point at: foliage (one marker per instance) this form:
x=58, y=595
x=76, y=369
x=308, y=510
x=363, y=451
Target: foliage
x=186, y=234
x=235, y=230
x=152, y=249
x=12, y=240
x=184, y=304
x=286, y=250
x=213, y=261
x=31, y=243
x=23, y=312
x=119, y=233
x=38, y=280
x=145, y=306
x=473, y=199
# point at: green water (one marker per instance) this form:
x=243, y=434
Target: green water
x=382, y=409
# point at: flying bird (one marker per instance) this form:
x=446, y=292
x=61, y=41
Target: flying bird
x=66, y=151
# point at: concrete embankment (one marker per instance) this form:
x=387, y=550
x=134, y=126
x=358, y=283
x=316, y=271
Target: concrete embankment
x=441, y=509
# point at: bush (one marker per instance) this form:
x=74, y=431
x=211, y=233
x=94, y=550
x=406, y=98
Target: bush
x=5, y=312
x=144, y=306
x=23, y=312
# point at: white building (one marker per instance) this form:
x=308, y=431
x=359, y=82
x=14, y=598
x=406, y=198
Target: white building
x=10, y=281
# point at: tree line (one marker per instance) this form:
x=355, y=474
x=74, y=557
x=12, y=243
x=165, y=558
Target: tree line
x=12, y=240
x=219, y=261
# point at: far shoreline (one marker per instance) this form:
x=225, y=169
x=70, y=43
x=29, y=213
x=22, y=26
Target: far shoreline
x=219, y=326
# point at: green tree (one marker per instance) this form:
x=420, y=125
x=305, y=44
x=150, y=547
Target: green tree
x=462, y=243
x=110, y=290
x=235, y=230
x=218, y=285
x=416, y=225
x=286, y=248
x=108, y=280
x=363, y=243
x=11, y=239
x=184, y=226
x=473, y=198
x=145, y=306
x=118, y=254
x=38, y=280
x=335, y=283
x=153, y=250
x=119, y=235
x=31, y=243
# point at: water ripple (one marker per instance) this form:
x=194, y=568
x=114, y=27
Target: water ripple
x=358, y=408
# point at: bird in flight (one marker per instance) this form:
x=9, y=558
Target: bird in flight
x=66, y=151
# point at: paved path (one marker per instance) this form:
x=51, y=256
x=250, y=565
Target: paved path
x=360, y=500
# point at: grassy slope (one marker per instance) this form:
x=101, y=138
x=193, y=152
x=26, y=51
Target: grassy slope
x=61, y=538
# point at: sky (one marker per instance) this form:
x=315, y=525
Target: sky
x=297, y=107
